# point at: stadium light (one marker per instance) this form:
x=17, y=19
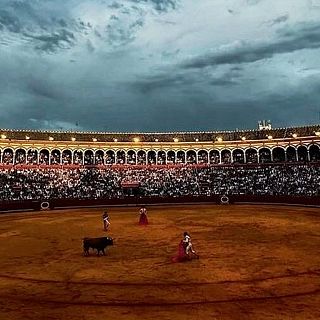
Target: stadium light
x=156, y=140
x=51, y=139
x=176, y=140
x=219, y=139
x=294, y=135
x=243, y=138
x=317, y=133
x=94, y=139
x=73, y=139
x=3, y=136
x=197, y=140
x=270, y=137
x=136, y=140
x=27, y=138
x=115, y=140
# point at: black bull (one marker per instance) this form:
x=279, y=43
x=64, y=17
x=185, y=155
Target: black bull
x=96, y=243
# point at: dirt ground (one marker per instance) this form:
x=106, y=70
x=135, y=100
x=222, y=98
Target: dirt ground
x=256, y=262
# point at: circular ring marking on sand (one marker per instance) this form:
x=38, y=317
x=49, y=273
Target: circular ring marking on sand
x=224, y=199
x=45, y=205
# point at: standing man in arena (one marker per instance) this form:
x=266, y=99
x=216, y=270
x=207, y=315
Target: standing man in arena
x=143, y=220
x=188, y=245
x=106, y=222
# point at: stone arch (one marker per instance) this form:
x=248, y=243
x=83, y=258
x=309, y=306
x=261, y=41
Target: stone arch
x=110, y=157
x=251, y=155
x=265, y=155
x=99, y=157
x=291, y=154
x=131, y=157
x=44, y=157
x=203, y=156
x=181, y=157
x=55, y=156
x=161, y=157
x=191, y=157
x=32, y=156
x=20, y=156
x=88, y=157
x=66, y=157
x=214, y=156
x=171, y=157
x=141, y=157
x=278, y=154
x=152, y=157
x=121, y=157
x=78, y=157
x=314, y=152
x=238, y=156
x=226, y=156
x=7, y=157
x=302, y=153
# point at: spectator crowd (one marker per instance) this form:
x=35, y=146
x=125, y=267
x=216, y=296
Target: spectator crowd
x=93, y=183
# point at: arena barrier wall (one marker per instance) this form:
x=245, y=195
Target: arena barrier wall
x=50, y=204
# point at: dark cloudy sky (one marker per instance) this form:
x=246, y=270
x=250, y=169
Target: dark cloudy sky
x=158, y=65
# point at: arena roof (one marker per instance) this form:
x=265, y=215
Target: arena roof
x=275, y=133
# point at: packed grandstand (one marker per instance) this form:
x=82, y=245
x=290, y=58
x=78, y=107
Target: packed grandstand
x=43, y=165
x=92, y=183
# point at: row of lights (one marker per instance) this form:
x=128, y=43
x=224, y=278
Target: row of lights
x=136, y=140
x=219, y=139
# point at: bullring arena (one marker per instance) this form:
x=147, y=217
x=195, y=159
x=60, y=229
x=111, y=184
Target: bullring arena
x=256, y=262
x=250, y=201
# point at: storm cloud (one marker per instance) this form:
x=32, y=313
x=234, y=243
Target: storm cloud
x=158, y=65
x=299, y=37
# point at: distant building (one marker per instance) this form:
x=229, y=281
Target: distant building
x=264, y=125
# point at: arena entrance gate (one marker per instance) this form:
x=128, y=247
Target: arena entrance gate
x=130, y=188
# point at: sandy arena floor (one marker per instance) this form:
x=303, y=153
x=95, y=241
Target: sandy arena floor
x=256, y=262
